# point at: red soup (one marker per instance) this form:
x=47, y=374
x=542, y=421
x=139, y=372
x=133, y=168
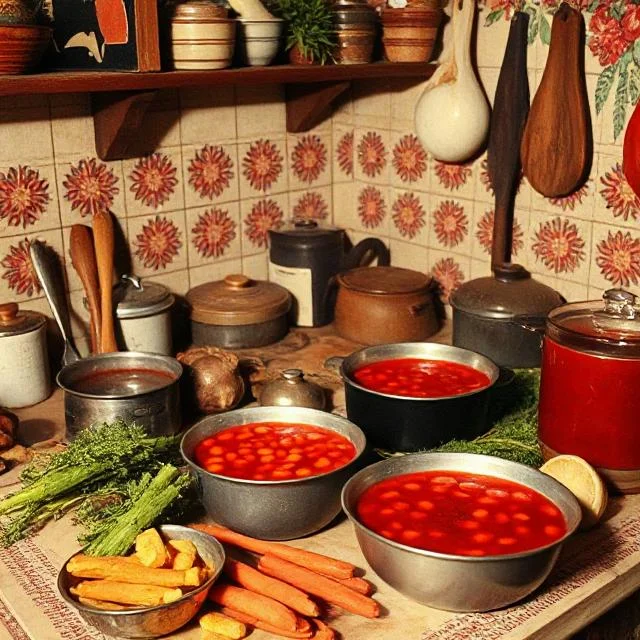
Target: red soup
x=274, y=451
x=460, y=513
x=420, y=378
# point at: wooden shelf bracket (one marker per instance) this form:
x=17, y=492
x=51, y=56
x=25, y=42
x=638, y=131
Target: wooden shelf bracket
x=309, y=104
x=117, y=117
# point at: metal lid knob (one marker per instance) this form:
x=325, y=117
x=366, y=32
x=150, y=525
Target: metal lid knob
x=8, y=313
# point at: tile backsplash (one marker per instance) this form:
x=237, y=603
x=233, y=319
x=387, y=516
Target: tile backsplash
x=225, y=171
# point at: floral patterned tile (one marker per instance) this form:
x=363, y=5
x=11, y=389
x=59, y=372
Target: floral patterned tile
x=211, y=109
x=409, y=162
x=210, y=174
x=409, y=216
x=260, y=111
x=72, y=130
x=177, y=281
x=615, y=201
x=616, y=258
x=344, y=205
x=479, y=268
x=492, y=42
x=579, y=204
x=449, y=271
x=560, y=246
x=258, y=217
x=214, y=272
x=453, y=180
x=372, y=159
x=371, y=99
x=409, y=256
x=482, y=233
x=343, y=155
x=373, y=209
x=87, y=185
x=26, y=133
x=311, y=204
x=213, y=233
x=153, y=183
x=18, y=279
x=309, y=160
x=158, y=243
x=404, y=101
x=572, y=291
x=483, y=190
x=28, y=199
x=159, y=129
x=256, y=267
x=262, y=167
x=451, y=224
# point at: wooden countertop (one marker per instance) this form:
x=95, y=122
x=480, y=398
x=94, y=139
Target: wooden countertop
x=596, y=570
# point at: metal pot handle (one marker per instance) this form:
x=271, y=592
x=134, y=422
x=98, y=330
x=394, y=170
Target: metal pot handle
x=535, y=324
x=365, y=252
x=334, y=364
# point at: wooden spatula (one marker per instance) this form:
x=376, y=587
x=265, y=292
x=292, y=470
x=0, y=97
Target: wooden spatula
x=104, y=242
x=556, y=147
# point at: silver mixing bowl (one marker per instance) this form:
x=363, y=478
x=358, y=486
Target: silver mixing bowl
x=459, y=583
x=153, y=622
x=268, y=509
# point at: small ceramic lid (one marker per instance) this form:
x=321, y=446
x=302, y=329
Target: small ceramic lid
x=510, y=292
x=307, y=234
x=137, y=299
x=200, y=9
x=384, y=280
x=238, y=300
x=13, y=321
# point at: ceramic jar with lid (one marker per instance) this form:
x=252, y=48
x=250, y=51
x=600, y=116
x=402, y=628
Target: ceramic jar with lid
x=24, y=365
x=378, y=305
x=356, y=26
x=590, y=383
x=143, y=316
x=238, y=312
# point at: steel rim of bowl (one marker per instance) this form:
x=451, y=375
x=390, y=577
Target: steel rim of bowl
x=119, y=614
x=284, y=410
x=571, y=527
x=170, y=365
x=430, y=351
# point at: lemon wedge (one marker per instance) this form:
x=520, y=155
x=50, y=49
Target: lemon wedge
x=583, y=481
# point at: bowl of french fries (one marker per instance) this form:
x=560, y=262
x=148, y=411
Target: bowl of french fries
x=151, y=592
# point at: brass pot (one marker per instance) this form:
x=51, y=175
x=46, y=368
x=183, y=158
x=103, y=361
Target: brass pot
x=377, y=305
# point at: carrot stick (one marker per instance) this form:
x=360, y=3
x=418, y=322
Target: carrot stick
x=265, y=626
x=319, y=586
x=254, y=604
x=314, y=561
x=252, y=579
x=324, y=632
x=357, y=584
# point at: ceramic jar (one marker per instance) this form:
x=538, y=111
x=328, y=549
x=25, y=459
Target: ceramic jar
x=143, y=316
x=24, y=365
x=356, y=28
x=199, y=36
x=409, y=34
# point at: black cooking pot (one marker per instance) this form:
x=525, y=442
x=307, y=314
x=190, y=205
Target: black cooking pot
x=400, y=423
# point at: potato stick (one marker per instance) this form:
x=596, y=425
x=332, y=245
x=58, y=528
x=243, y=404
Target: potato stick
x=265, y=626
x=357, y=584
x=185, y=554
x=145, y=595
x=254, y=604
x=254, y=580
x=106, y=606
x=315, y=561
x=319, y=586
x=224, y=625
x=120, y=570
x=150, y=549
x=183, y=561
x=324, y=632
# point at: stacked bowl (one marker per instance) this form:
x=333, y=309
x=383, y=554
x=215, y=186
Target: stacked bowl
x=356, y=29
x=259, y=40
x=409, y=34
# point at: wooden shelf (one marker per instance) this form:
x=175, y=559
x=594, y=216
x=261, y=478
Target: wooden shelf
x=121, y=99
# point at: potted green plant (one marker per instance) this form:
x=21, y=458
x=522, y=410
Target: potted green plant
x=310, y=30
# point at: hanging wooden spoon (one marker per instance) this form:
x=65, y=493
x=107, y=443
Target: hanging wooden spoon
x=510, y=109
x=104, y=242
x=557, y=147
x=83, y=259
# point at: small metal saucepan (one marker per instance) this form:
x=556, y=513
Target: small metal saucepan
x=401, y=423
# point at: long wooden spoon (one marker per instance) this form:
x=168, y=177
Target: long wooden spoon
x=83, y=259
x=104, y=243
x=557, y=147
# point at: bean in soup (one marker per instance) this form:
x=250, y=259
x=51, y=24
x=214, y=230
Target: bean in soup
x=460, y=513
x=420, y=378
x=274, y=451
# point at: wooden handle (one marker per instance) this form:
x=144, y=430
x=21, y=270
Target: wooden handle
x=104, y=242
x=83, y=259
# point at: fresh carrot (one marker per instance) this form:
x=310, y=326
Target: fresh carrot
x=319, y=586
x=323, y=631
x=265, y=626
x=357, y=584
x=255, y=604
x=254, y=580
x=314, y=561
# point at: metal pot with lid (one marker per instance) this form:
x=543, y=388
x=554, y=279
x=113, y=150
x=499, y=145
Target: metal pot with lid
x=291, y=389
x=143, y=312
x=589, y=400
x=305, y=257
x=497, y=316
x=238, y=312
x=24, y=365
